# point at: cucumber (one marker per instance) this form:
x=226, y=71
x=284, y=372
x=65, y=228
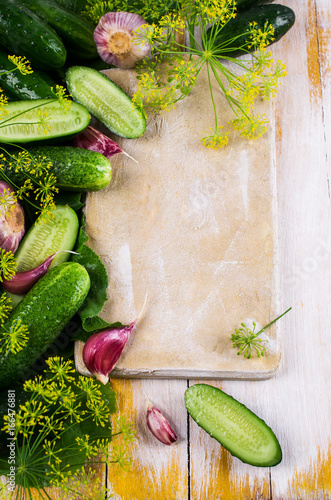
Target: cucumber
x=75, y=32
x=106, y=101
x=24, y=34
x=280, y=17
x=76, y=169
x=247, y=4
x=21, y=87
x=21, y=123
x=45, y=310
x=232, y=424
x=71, y=5
x=47, y=236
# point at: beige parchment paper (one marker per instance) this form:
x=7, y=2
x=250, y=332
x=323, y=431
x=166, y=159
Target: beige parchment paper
x=194, y=228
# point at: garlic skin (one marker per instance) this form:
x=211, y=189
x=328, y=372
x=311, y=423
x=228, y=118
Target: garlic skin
x=113, y=37
x=21, y=283
x=12, y=226
x=160, y=426
x=103, y=349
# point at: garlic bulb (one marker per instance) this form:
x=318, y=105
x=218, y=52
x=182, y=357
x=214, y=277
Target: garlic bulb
x=12, y=227
x=114, y=39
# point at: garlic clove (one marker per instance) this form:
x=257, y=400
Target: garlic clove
x=160, y=426
x=21, y=283
x=103, y=349
x=114, y=39
x=94, y=140
x=12, y=225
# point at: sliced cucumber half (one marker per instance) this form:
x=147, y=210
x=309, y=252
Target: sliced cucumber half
x=238, y=429
x=47, y=236
x=106, y=101
x=40, y=119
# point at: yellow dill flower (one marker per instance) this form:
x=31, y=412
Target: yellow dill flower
x=261, y=38
x=3, y=103
x=6, y=306
x=99, y=412
x=22, y=64
x=63, y=97
x=8, y=265
x=8, y=198
x=43, y=120
x=14, y=339
x=216, y=10
x=216, y=140
x=52, y=454
x=62, y=369
x=250, y=127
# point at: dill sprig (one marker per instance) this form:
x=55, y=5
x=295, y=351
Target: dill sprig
x=64, y=421
x=8, y=265
x=245, y=339
x=150, y=11
x=172, y=70
x=31, y=178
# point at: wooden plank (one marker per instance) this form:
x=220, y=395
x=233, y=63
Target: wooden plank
x=158, y=471
x=301, y=390
x=215, y=473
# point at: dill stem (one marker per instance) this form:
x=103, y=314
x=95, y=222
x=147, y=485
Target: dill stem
x=272, y=322
x=211, y=94
x=48, y=101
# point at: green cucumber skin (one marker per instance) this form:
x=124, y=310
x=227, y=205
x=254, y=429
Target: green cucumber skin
x=76, y=33
x=45, y=310
x=247, y=4
x=23, y=33
x=233, y=425
x=71, y=5
x=45, y=238
x=280, y=17
x=62, y=123
x=76, y=169
x=31, y=86
x=106, y=101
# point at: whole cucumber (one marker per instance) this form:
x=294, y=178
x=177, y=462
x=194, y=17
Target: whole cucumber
x=76, y=169
x=45, y=310
x=18, y=86
x=76, y=33
x=247, y=4
x=25, y=34
x=234, y=37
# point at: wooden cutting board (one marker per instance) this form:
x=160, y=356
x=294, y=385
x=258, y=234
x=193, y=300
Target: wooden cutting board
x=195, y=229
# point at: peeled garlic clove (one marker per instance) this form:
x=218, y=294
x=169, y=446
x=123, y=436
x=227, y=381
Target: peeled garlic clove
x=114, y=39
x=12, y=227
x=160, y=426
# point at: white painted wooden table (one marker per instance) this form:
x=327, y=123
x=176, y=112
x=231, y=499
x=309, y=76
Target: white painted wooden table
x=296, y=402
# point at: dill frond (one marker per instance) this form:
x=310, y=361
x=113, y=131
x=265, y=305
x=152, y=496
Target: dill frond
x=171, y=72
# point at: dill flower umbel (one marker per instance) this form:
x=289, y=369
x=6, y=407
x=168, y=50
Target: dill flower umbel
x=64, y=420
x=171, y=72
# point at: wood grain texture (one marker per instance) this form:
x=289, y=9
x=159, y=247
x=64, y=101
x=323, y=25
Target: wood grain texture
x=158, y=471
